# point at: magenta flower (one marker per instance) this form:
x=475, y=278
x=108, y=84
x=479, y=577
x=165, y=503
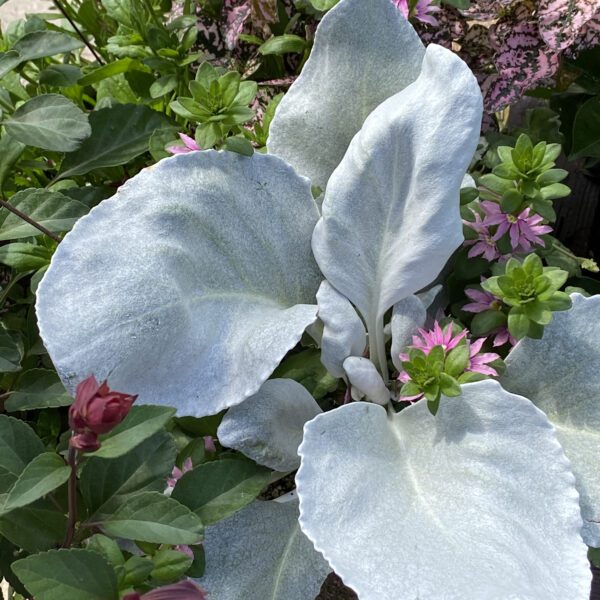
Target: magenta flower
x=189, y=145
x=178, y=473
x=479, y=363
x=184, y=590
x=524, y=230
x=482, y=300
x=422, y=12
x=448, y=340
x=502, y=336
x=484, y=244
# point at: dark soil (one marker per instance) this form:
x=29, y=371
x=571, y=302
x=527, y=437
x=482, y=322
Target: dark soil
x=334, y=589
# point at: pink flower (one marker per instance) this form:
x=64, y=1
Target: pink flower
x=524, y=230
x=482, y=300
x=484, y=244
x=189, y=145
x=502, y=336
x=479, y=363
x=184, y=590
x=178, y=473
x=435, y=337
x=422, y=12
x=97, y=409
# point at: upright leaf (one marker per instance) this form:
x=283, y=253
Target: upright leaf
x=335, y=93
x=65, y=574
x=49, y=121
x=391, y=211
x=38, y=388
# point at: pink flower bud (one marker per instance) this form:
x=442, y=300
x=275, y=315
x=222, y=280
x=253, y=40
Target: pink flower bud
x=97, y=408
x=85, y=442
x=184, y=590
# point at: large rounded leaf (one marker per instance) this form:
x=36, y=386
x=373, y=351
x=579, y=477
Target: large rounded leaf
x=339, y=85
x=189, y=286
x=476, y=502
x=267, y=427
x=559, y=373
x=261, y=554
x=391, y=210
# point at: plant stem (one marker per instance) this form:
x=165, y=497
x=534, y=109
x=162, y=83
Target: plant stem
x=72, y=460
x=78, y=31
x=29, y=220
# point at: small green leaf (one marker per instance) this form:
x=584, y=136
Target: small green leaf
x=239, y=145
x=49, y=121
x=107, y=547
x=137, y=570
x=153, y=517
x=38, y=388
x=65, y=574
x=283, y=44
x=19, y=445
x=511, y=201
x=218, y=489
x=11, y=351
x=457, y=360
x=109, y=70
x=554, y=191
x=141, y=423
x=170, y=565
x=42, y=475
x=449, y=386
x=518, y=324
x=60, y=75
x=586, y=130
x=486, y=321
x=551, y=176
x=23, y=256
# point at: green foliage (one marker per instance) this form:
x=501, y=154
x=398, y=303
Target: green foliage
x=526, y=177
x=531, y=293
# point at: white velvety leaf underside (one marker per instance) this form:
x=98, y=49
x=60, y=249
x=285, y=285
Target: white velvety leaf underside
x=339, y=85
x=476, y=502
x=561, y=374
x=260, y=553
x=267, y=427
x=391, y=210
x=189, y=286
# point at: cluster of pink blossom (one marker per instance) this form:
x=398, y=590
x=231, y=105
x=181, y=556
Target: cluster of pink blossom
x=524, y=231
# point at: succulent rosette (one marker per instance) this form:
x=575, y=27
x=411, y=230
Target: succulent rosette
x=193, y=283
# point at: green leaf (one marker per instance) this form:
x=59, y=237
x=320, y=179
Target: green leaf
x=555, y=190
x=23, y=256
x=518, y=324
x=110, y=70
x=239, y=145
x=153, y=517
x=460, y=4
x=216, y=490
x=65, y=574
x=551, y=176
x=53, y=210
x=170, y=565
x=163, y=85
x=39, y=526
x=10, y=152
x=449, y=386
x=106, y=484
x=60, y=75
x=486, y=321
x=119, y=134
x=457, y=360
x=511, y=201
x=38, y=44
x=107, y=547
x=137, y=570
x=586, y=130
x=42, y=475
x=38, y=388
x=11, y=351
x=324, y=4
x=283, y=44
x=49, y=121
x=19, y=445
x=141, y=423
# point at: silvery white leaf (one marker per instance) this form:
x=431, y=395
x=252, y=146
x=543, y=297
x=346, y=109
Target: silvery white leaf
x=407, y=316
x=428, y=297
x=337, y=90
x=344, y=334
x=363, y=376
x=560, y=374
x=189, y=286
x=260, y=553
x=478, y=502
x=391, y=210
x=467, y=182
x=267, y=427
